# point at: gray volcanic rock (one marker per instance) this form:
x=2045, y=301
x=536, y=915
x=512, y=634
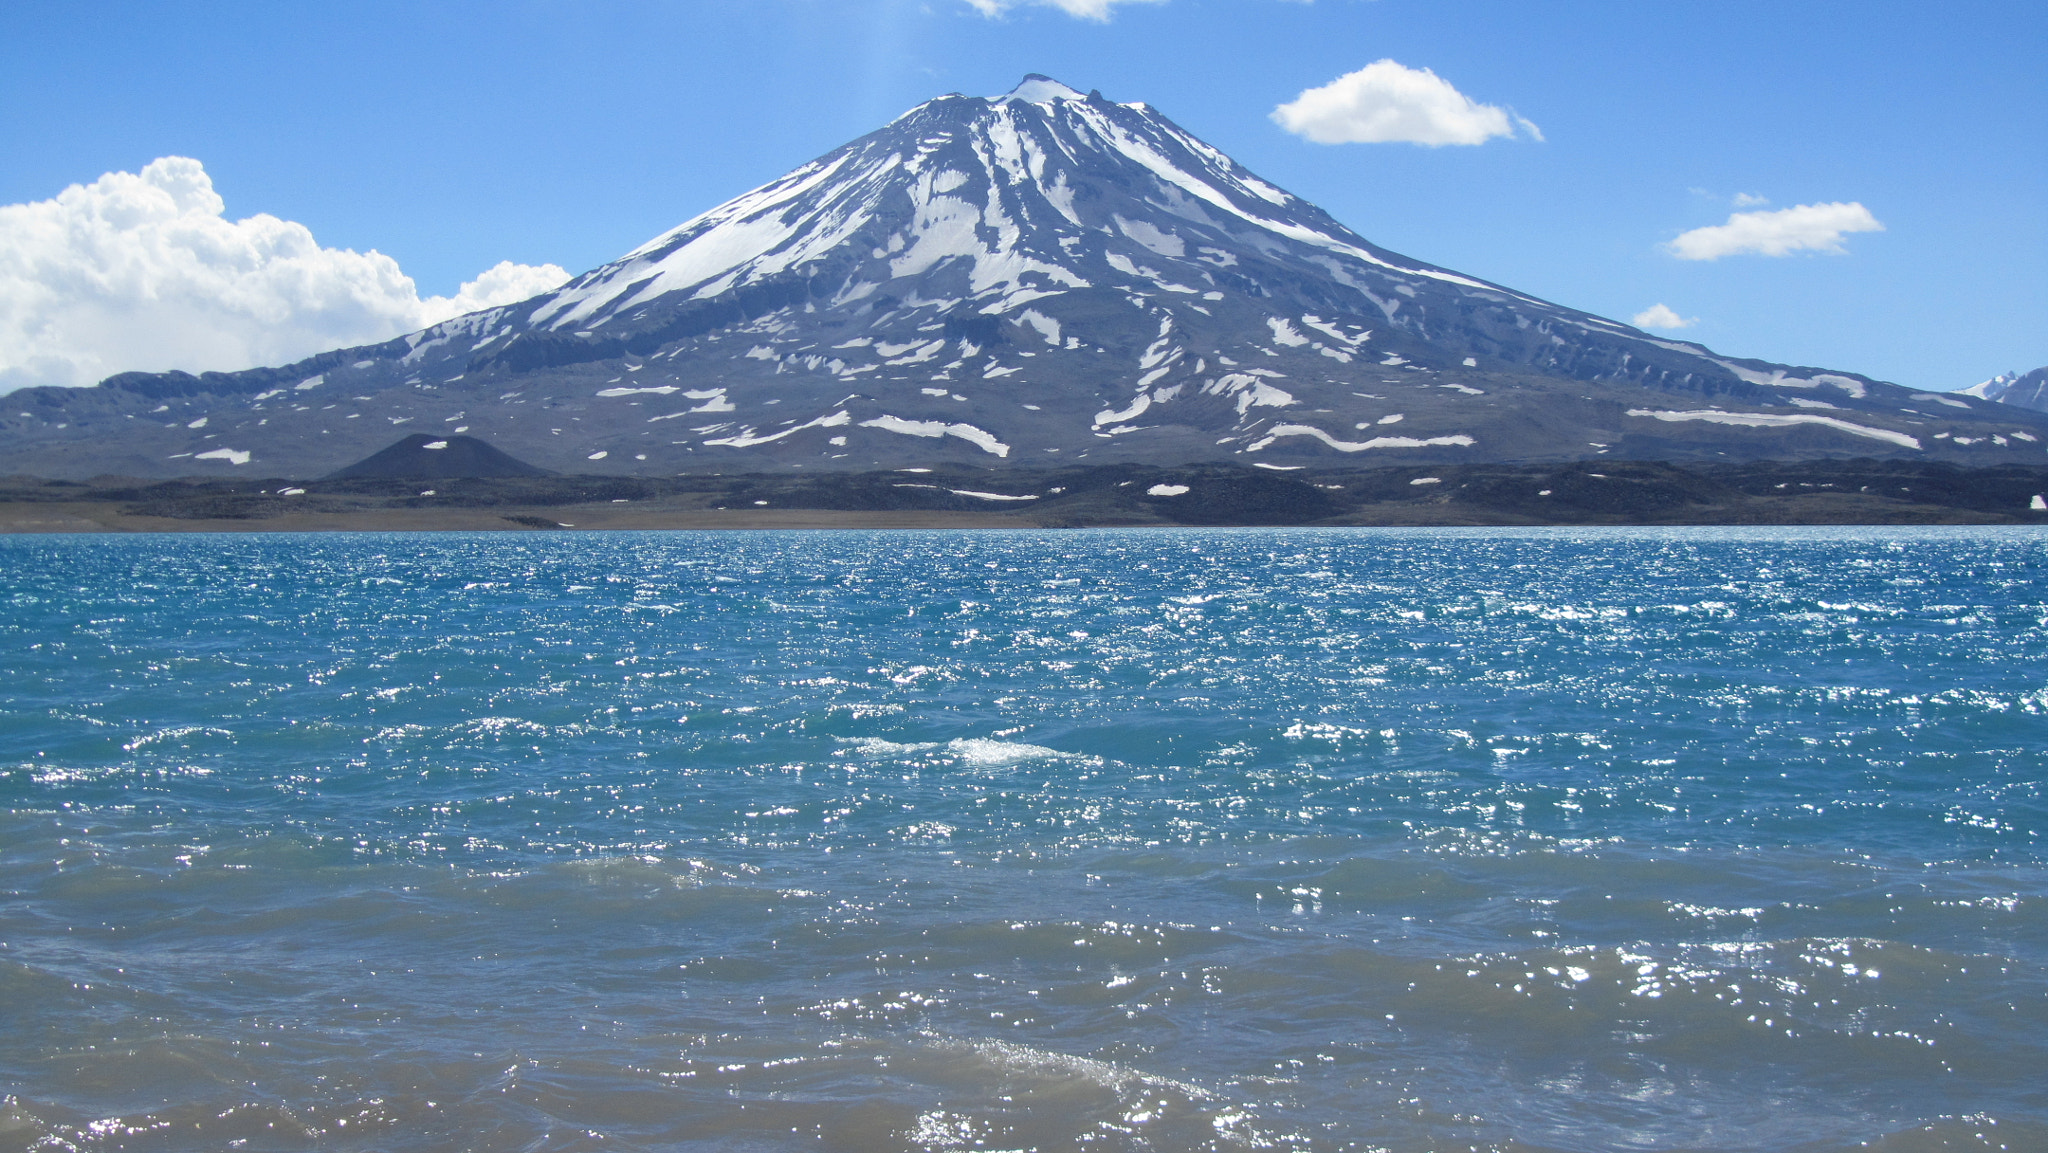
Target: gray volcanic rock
x=438, y=458
x=1040, y=278
x=2027, y=390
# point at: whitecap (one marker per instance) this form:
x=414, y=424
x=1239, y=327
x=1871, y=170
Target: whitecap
x=972, y=752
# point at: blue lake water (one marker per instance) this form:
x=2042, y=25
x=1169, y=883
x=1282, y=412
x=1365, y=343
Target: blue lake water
x=1093, y=840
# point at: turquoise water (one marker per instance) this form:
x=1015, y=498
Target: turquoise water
x=1095, y=840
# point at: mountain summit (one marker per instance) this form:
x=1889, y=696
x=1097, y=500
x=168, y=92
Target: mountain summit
x=1039, y=277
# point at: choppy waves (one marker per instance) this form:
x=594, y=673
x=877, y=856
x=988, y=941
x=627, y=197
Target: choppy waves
x=1089, y=840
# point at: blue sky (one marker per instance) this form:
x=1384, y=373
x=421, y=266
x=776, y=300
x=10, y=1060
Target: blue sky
x=450, y=136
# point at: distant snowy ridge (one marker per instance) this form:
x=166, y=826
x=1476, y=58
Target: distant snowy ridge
x=2027, y=390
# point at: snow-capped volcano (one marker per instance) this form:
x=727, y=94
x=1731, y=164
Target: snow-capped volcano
x=1029, y=195
x=1040, y=276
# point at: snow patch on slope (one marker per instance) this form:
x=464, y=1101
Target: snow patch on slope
x=979, y=438
x=1284, y=430
x=1780, y=420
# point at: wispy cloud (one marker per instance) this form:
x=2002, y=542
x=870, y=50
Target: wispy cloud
x=144, y=271
x=1750, y=200
x=1388, y=102
x=1801, y=228
x=1097, y=10
x=1659, y=315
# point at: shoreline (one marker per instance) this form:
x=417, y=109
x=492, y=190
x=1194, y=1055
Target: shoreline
x=1578, y=494
x=110, y=517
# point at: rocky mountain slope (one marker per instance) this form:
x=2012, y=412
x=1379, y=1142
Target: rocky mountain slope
x=1042, y=278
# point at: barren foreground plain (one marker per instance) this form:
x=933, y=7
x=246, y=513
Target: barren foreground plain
x=1581, y=493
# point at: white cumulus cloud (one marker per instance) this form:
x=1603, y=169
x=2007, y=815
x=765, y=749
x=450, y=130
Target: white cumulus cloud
x=1386, y=102
x=144, y=271
x=1097, y=10
x=502, y=283
x=1800, y=228
x=1660, y=316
